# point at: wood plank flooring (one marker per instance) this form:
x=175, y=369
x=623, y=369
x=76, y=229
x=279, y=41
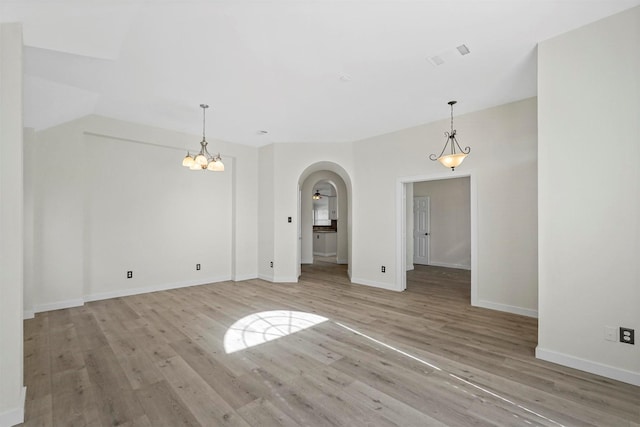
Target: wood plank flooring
x=423, y=357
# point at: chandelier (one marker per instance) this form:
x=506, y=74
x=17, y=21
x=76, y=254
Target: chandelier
x=455, y=158
x=203, y=160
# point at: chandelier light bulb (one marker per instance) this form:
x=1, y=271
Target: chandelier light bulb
x=201, y=160
x=188, y=160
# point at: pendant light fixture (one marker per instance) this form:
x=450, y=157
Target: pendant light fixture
x=455, y=157
x=203, y=160
x=316, y=195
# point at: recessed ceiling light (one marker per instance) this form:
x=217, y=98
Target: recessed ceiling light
x=345, y=77
x=262, y=132
x=463, y=49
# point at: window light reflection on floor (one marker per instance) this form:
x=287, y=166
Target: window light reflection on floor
x=265, y=326
x=259, y=328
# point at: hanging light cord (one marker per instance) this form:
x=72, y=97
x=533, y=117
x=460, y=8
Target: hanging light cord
x=453, y=132
x=204, y=109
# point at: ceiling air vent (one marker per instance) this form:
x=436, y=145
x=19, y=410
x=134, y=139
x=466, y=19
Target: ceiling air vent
x=436, y=60
x=463, y=49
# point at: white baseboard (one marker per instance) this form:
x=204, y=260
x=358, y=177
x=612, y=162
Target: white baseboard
x=343, y=261
x=325, y=253
x=410, y=267
x=243, y=277
x=447, y=265
x=373, y=283
x=307, y=261
x=154, y=288
x=589, y=366
x=285, y=279
x=507, y=308
x=58, y=305
x=14, y=416
x=28, y=314
x=265, y=277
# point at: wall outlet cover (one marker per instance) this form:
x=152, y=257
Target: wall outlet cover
x=627, y=335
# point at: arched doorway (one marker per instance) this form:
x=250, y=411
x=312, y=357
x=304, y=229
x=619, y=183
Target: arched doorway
x=325, y=173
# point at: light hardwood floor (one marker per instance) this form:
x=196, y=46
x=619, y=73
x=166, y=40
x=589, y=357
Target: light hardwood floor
x=418, y=358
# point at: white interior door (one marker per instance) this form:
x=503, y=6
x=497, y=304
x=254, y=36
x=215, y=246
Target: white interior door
x=421, y=230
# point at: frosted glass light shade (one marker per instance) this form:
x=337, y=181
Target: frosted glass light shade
x=195, y=166
x=216, y=166
x=187, y=161
x=452, y=160
x=201, y=160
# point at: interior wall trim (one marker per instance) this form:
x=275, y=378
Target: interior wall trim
x=78, y=302
x=529, y=312
x=14, y=416
x=154, y=288
x=375, y=284
x=588, y=366
x=58, y=305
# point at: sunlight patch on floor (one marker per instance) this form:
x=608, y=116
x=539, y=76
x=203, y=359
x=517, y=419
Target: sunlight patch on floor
x=258, y=328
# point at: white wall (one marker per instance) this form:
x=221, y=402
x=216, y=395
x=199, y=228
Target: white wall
x=11, y=226
x=290, y=165
x=29, y=201
x=503, y=160
x=589, y=195
x=152, y=217
x=266, y=226
x=110, y=196
x=450, y=234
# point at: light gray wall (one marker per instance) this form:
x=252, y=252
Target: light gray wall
x=506, y=195
x=11, y=226
x=589, y=195
x=110, y=196
x=65, y=205
x=450, y=232
x=292, y=163
x=265, y=218
x=503, y=144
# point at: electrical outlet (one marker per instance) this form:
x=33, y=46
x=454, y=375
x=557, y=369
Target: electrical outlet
x=271, y=264
x=610, y=333
x=129, y=274
x=383, y=269
x=627, y=335
x=289, y=219
x=197, y=267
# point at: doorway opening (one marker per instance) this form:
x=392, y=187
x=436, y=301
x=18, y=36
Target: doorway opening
x=437, y=233
x=324, y=212
x=324, y=209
